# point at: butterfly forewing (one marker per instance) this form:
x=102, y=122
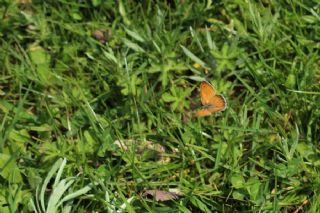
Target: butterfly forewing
x=207, y=91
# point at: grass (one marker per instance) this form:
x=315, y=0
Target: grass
x=96, y=98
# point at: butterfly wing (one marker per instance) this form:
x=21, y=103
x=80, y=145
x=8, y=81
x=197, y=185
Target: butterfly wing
x=217, y=103
x=207, y=92
x=210, y=101
x=203, y=112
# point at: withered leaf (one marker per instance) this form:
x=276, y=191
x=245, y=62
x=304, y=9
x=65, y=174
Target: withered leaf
x=144, y=146
x=160, y=195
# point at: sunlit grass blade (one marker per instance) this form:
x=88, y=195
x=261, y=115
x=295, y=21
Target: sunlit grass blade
x=75, y=194
x=53, y=170
x=193, y=57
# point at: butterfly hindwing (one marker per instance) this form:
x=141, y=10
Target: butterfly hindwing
x=218, y=102
x=203, y=112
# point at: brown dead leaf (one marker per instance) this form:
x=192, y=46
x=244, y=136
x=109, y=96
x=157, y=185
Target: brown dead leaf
x=141, y=147
x=160, y=195
x=99, y=35
x=23, y=1
x=102, y=35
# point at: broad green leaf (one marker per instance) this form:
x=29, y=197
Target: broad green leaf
x=9, y=169
x=253, y=187
x=237, y=181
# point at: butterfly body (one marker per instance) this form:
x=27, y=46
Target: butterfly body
x=211, y=102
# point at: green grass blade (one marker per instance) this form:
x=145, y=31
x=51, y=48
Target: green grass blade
x=53, y=170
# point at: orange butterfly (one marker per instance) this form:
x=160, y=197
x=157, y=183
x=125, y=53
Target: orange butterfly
x=210, y=100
